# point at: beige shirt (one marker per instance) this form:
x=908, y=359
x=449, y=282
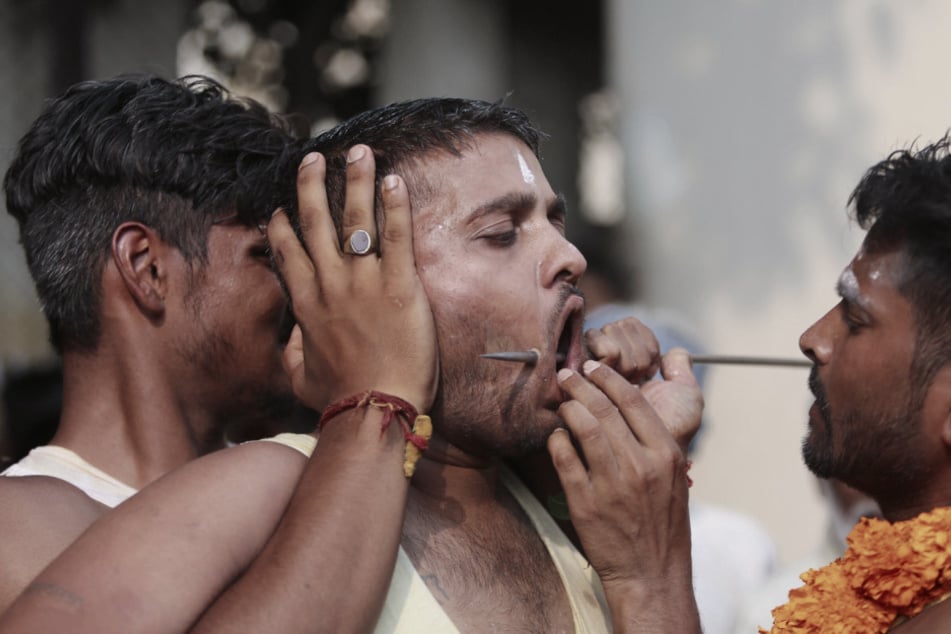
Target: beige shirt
x=411, y=608
x=63, y=464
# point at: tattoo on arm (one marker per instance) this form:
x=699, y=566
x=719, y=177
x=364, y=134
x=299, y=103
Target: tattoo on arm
x=55, y=593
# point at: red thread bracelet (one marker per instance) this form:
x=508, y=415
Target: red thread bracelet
x=687, y=473
x=392, y=406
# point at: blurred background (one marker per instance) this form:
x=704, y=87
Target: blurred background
x=706, y=149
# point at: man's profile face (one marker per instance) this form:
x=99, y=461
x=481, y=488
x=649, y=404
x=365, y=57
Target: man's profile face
x=864, y=426
x=232, y=317
x=500, y=275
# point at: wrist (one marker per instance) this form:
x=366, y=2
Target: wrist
x=416, y=428
x=663, y=604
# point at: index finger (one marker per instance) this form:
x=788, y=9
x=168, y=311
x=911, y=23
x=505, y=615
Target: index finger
x=313, y=211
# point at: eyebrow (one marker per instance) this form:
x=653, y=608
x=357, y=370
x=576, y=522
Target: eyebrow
x=850, y=291
x=558, y=206
x=517, y=202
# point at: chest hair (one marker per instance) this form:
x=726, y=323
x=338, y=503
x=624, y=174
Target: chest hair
x=486, y=566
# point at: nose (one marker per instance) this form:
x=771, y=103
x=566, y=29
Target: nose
x=563, y=262
x=817, y=341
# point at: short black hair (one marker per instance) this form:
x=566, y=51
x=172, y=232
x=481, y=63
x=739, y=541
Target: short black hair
x=172, y=154
x=904, y=202
x=403, y=133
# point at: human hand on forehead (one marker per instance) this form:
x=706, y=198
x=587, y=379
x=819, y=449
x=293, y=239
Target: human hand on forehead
x=363, y=318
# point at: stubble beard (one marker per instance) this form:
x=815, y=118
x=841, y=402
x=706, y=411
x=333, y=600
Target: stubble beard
x=880, y=454
x=483, y=413
x=253, y=401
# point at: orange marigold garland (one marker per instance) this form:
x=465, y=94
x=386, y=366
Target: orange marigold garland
x=889, y=570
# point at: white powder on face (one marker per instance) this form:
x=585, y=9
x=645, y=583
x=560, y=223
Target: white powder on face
x=527, y=175
x=848, y=284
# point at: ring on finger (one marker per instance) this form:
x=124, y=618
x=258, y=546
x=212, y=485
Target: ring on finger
x=359, y=242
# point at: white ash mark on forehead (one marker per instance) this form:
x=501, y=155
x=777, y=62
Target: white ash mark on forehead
x=527, y=174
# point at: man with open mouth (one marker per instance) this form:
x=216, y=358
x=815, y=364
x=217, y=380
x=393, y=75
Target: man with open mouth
x=474, y=550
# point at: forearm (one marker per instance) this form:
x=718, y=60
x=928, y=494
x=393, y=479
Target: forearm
x=154, y=563
x=328, y=565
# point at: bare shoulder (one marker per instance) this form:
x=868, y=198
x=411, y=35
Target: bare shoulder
x=41, y=517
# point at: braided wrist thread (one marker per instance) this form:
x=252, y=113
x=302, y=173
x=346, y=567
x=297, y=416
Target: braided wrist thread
x=417, y=428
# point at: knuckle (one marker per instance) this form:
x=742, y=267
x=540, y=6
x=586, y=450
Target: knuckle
x=630, y=398
x=603, y=409
x=588, y=432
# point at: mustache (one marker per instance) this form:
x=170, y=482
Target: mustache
x=819, y=392
x=567, y=292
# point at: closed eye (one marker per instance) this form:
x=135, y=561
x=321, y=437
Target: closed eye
x=853, y=324
x=505, y=239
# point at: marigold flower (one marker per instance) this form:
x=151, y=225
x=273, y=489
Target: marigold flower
x=889, y=571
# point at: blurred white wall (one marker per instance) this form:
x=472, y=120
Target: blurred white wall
x=746, y=124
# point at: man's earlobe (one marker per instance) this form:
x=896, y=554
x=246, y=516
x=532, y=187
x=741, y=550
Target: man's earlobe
x=138, y=254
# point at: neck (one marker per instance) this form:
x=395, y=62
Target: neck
x=121, y=415
x=445, y=471
x=902, y=512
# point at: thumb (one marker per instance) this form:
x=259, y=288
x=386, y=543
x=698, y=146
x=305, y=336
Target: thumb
x=293, y=356
x=677, y=366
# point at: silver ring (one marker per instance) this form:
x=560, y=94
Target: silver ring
x=359, y=243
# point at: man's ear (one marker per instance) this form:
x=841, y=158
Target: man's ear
x=141, y=258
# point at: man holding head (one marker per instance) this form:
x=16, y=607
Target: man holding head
x=139, y=203
x=475, y=550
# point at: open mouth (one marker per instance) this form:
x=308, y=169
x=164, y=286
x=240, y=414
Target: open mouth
x=568, y=348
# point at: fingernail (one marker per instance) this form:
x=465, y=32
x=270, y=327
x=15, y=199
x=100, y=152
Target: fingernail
x=279, y=210
x=311, y=157
x=564, y=374
x=590, y=366
x=356, y=153
x=391, y=181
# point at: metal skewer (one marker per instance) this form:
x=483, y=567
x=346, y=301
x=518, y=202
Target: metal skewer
x=532, y=356
x=726, y=359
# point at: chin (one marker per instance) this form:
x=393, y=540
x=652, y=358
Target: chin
x=531, y=439
x=817, y=459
